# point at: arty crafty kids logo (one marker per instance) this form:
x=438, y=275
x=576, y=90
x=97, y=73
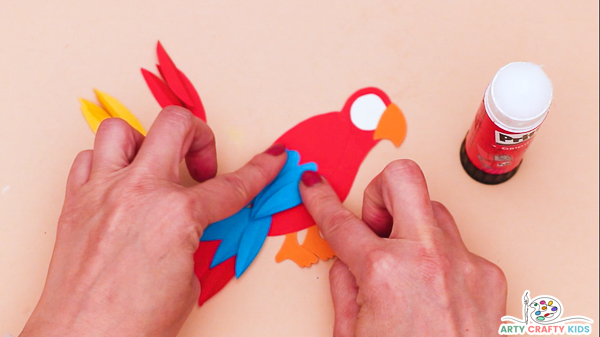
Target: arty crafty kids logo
x=543, y=316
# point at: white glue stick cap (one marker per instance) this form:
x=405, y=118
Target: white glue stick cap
x=519, y=96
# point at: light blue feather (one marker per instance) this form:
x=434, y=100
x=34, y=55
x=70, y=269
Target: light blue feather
x=282, y=194
x=229, y=231
x=243, y=234
x=252, y=240
x=285, y=176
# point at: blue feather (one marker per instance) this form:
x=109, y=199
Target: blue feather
x=284, y=177
x=252, y=240
x=229, y=231
x=282, y=193
x=244, y=233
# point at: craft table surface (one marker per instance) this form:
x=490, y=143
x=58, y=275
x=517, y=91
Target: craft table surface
x=263, y=66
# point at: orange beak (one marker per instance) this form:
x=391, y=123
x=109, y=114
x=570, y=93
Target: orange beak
x=392, y=125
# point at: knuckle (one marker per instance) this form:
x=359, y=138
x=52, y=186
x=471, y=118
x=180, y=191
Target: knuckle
x=260, y=170
x=380, y=268
x=81, y=159
x=140, y=173
x=479, y=269
x=181, y=203
x=178, y=116
x=130, y=190
x=402, y=167
x=337, y=220
x=438, y=207
x=137, y=184
x=237, y=185
x=84, y=153
x=441, y=213
x=495, y=275
x=470, y=268
x=185, y=209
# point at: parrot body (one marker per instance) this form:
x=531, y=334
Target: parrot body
x=334, y=143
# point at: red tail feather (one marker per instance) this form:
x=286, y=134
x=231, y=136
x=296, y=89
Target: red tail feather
x=161, y=92
x=197, y=108
x=176, y=89
x=212, y=280
x=171, y=75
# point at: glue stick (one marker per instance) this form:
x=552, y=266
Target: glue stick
x=514, y=106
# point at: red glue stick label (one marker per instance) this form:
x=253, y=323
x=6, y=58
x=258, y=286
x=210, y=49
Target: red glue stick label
x=493, y=149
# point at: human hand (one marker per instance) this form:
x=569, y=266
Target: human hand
x=403, y=269
x=123, y=259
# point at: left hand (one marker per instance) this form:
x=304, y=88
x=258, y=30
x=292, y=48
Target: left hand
x=123, y=259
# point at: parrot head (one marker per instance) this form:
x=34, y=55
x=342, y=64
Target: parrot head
x=375, y=116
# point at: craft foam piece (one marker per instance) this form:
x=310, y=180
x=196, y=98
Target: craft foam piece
x=172, y=75
x=161, y=92
x=229, y=231
x=391, y=121
x=197, y=108
x=290, y=250
x=93, y=114
x=252, y=240
x=280, y=195
x=117, y=109
x=283, y=192
x=366, y=111
x=177, y=89
x=286, y=197
x=211, y=279
x=315, y=243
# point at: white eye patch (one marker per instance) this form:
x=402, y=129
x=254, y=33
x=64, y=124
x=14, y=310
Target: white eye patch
x=366, y=111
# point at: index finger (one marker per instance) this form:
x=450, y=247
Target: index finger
x=176, y=134
x=348, y=236
x=226, y=194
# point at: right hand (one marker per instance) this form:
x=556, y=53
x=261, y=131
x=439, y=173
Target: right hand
x=403, y=270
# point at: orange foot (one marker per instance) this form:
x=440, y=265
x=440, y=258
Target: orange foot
x=317, y=245
x=291, y=250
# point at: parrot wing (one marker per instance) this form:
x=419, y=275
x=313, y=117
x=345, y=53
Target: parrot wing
x=226, y=250
x=321, y=139
x=282, y=193
x=250, y=244
x=229, y=246
x=229, y=232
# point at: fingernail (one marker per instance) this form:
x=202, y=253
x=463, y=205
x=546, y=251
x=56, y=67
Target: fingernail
x=276, y=149
x=310, y=178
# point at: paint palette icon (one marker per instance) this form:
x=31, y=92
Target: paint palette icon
x=545, y=309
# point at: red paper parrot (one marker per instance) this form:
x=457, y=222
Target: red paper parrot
x=334, y=143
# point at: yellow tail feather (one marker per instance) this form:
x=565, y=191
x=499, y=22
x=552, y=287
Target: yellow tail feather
x=93, y=114
x=117, y=109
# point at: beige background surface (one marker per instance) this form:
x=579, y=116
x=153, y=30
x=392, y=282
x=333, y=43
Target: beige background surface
x=263, y=66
